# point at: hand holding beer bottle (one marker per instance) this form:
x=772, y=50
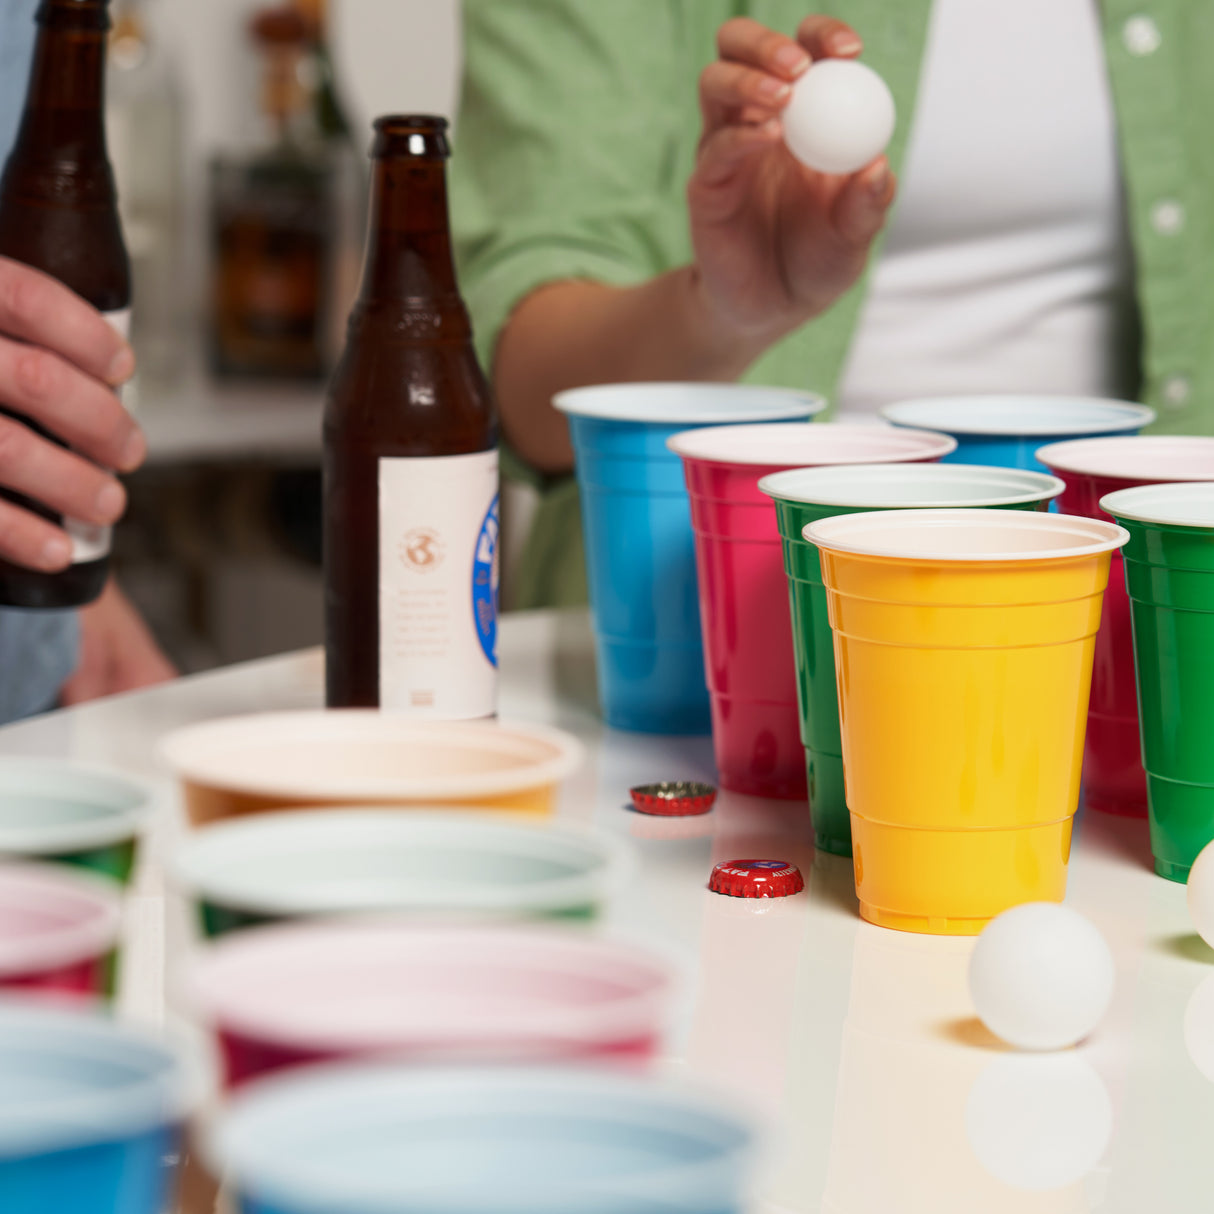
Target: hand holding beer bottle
x=62, y=347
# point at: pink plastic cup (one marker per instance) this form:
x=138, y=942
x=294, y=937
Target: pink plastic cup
x=302, y=993
x=58, y=931
x=744, y=605
x=1114, y=780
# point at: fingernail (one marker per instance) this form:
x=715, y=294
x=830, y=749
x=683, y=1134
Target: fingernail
x=878, y=182
x=771, y=89
x=846, y=44
x=133, y=452
x=123, y=366
x=792, y=59
x=56, y=552
x=111, y=501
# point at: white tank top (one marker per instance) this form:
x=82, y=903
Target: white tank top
x=1007, y=266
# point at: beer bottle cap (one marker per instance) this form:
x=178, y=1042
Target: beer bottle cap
x=674, y=798
x=756, y=879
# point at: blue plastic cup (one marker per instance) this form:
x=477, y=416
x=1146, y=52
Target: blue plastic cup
x=1005, y=431
x=640, y=553
x=90, y=1114
x=364, y=1140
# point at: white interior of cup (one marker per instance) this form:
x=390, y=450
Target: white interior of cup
x=1137, y=457
x=353, y=754
x=68, y=1079
x=1019, y=416
x=782, y=445
x=449, y=991
x=52, y=916
x=965, y=535
x=690, y=404
x=1183, y=505
x=343, y=860
x=50, y=806
x=926, y=486
x=388, y=1138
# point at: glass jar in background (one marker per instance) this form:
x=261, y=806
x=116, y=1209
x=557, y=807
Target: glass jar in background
x=284, y=214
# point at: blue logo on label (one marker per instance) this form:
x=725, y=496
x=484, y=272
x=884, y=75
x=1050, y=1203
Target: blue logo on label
x=484, y=584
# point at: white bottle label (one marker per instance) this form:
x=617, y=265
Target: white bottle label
x=438, y=527
x=89, y=541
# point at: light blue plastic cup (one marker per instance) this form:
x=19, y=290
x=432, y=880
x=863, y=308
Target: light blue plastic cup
x=1005, y=431
x=90, y=1114
x=371, y=1140
x=640, y=553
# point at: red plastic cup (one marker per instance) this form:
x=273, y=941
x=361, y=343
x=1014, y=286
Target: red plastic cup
x=1114, y=781
x=58, y=931
x=303, y=993
x=744, y=607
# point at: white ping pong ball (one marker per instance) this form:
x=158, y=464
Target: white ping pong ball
x=840, y=116
x=1201, y=894
x=1041, y=976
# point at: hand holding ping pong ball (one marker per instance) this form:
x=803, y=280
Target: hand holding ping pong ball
x=840, y=116
x=1041, y=976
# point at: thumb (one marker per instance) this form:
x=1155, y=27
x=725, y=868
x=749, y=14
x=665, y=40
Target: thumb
x=861, y=206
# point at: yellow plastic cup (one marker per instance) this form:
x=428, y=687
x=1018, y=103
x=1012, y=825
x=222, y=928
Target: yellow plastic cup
x=963, y=651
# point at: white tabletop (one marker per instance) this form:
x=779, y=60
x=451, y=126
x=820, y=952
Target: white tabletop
x=883, y=1094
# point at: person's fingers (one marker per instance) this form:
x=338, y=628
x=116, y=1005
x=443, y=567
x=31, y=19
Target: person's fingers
x=722, y=153
x=730, y=92
x=860, y=209
x=828, y=38
x=56, y=477
x=742, y=40
x=32, y=542
x=80, y=410
x=38, y=309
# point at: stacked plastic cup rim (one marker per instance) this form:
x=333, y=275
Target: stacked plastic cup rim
x=364, y=1140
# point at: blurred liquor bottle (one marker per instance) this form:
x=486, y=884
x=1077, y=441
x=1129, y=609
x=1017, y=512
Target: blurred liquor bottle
x=145, y=132
x=280, y=213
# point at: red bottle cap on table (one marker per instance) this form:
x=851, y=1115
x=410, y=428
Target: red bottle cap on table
x=756, y=879
x=673, y=798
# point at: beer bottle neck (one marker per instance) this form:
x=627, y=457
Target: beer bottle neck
x=409, y=256
x=63, y=125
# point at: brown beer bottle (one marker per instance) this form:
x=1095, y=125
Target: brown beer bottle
x=411, y=476
x=59, y=213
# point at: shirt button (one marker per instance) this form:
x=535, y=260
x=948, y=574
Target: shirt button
x=1167, y=217
x=1176, y=389
x=1141, y=36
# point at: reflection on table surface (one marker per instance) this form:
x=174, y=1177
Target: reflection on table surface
x=857, y=1045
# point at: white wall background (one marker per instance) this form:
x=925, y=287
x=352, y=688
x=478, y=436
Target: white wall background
x=390, y=55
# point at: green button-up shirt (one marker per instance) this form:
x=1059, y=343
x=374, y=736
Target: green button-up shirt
x=577, y=132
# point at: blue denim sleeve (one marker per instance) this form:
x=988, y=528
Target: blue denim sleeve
x=38, y=649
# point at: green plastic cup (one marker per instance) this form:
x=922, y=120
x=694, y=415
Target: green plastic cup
x=1169, y=573
x=806, y=495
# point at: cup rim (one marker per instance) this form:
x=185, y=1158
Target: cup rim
x=839, y=534
x=718, y=444
x=252, y=1138
x=1122, y=457
x=200, y=864
x=191, y=752
x=176, y=1078
x=110, y=826
x=1171, y=504
x=676, y=403
x=89, y=934
x=214, y=987
x=845, y=485
x=1117, y=414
